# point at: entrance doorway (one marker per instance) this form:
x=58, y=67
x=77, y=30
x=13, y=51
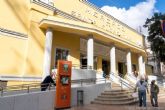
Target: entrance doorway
x=105, y=67
x=121, y=69
x=83, y=61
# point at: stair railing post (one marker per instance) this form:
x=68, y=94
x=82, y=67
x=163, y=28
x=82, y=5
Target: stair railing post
x=121, y=84
x=81, y=82
x=28, y=89
x=1, y=91
x=49, y=86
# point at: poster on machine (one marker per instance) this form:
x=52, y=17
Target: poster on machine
x=63, y=85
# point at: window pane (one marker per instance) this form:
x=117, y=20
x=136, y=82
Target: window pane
x=61, y=54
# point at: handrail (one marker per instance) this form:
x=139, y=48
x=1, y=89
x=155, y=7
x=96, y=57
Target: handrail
x=80, y=66
x=122, y=81
x=28, y=87
x=132, y=76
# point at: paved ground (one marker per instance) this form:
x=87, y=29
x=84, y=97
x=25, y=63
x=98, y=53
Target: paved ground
x=129, y=107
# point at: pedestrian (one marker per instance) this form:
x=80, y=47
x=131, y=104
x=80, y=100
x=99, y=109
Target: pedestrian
x=146, y=79
x=142, y=88
x=154, y=94
x=136, y=74
x=47, y=82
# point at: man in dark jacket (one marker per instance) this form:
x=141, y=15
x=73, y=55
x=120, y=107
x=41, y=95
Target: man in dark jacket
x=154, y=94
x=47, y=81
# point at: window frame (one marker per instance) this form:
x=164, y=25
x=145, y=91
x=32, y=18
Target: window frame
x=54, y=63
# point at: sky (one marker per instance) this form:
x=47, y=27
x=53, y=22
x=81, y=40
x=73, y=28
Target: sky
x=132, y=12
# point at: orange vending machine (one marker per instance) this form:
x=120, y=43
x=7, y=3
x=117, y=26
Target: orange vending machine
x=63, y=85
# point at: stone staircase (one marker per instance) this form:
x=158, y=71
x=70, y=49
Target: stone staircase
x=116, y=97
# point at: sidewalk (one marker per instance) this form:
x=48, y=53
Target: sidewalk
x=128, y=107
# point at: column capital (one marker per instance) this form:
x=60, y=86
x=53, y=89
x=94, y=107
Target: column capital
x=90, y=36
x=112, y=44
x=128, y=50
x=139, y=54
x=49, y=29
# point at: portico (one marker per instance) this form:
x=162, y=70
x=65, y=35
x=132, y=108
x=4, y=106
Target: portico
x=94, y=48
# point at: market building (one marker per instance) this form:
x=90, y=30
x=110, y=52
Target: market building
x=35, y=34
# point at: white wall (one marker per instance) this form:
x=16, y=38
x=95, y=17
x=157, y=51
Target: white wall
x=32, y=101
x=83, y=74
x=45, y=100
x=90, y=92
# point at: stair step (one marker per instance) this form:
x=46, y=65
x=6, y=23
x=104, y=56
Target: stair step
x=112, y=96
x=116, y=96
x=115, y=99
x=118, y=92
x=114, y=103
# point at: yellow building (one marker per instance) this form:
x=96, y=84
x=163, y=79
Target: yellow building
x=34, y=34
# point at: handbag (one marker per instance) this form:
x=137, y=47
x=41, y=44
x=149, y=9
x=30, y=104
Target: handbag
x=135, y=94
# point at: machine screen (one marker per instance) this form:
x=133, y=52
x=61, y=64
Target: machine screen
x=64, y=80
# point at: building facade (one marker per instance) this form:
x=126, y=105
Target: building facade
x=35, y=34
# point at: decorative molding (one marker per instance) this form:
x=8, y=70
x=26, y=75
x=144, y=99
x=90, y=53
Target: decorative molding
x=12, y=33
x=106, y=14
x=55, y=10
x=91, y=29
x=19, y=78
x=45, y=5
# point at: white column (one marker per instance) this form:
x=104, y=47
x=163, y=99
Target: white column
x=129, y=63
x=113, y=59
x=90, y=53
x=140, y=61
x=144, y=67
x=47, y=53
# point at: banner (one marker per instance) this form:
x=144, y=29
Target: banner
x=163, y=26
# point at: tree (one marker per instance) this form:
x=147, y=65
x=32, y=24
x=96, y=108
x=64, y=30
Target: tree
x=156, y=36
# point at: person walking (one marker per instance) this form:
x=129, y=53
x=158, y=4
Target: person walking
x=142, y=88
x=47, y=81
x=154, y=90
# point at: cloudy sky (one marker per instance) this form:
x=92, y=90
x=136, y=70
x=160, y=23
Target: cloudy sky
x=132, y=12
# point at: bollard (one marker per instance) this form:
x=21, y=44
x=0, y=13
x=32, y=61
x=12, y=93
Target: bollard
x=81, y=82
x=28, y=89
x=1, y=91
x=80, y=97
x=49, y=86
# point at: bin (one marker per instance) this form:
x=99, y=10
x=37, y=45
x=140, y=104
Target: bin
x=80, y=97
x=3, y=83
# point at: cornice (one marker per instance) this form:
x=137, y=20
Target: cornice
x=13, y=33
x=108, y=15
x=90, y=29
x=56, y=11
x=22, y=78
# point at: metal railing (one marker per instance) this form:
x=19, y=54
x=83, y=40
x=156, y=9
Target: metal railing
x=25, y=88
x=122, y=81
x=29, y=88
x=79, y=66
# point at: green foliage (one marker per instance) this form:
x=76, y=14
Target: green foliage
x=156, y=37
